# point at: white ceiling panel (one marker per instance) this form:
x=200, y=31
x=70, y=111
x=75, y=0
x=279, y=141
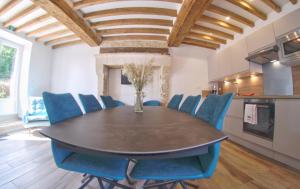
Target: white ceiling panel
x=135, y=26
x=3, y=2
x=223, y=18
x=63, y=35
x=18, y=8
x=50, y=31
x=226, y=5
x=29, y=17
x=122, y=34
x=36, y=26
x=131, y=16
x=124, y=4
x=210, y=34
x=214, y=27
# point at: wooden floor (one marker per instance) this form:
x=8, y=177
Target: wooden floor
x=26, y=162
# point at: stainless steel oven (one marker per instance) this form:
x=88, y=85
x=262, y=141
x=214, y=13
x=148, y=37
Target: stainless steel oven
x=264, y=127
x=289, y=46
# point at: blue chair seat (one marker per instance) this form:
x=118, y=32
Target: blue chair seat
x=96, y=165
x=168, y=169
x=152, y=103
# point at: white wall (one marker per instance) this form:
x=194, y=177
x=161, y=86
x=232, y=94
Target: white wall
x=74, y=70
x=40, y=69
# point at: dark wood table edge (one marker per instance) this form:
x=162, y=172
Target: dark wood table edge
x=185, y=152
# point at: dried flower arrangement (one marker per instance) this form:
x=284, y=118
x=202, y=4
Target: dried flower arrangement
x=139, y=74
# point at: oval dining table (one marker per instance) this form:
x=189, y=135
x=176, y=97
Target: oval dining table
x=156, y=133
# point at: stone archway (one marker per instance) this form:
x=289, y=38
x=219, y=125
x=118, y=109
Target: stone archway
x=106, y=61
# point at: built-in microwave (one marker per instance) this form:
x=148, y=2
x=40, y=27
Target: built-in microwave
x=289, y=46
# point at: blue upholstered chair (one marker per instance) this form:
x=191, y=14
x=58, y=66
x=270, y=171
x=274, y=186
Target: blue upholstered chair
x=109, y=102
x=176, y=171
x=175, y=101
x=61, y=107
x=152, y=103
x=90, y=103
x=190, y=104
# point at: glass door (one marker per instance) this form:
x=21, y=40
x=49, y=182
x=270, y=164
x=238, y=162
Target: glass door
x=8, y=78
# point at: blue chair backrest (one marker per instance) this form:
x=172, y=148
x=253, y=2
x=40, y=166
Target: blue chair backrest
x=108, y=102
x=175, y=101
x=214, y=108
x=59, y=108
x=90, y=103
x=190, y=104
x=213, y=111
x=152, y=103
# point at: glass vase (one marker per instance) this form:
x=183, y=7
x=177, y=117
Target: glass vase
x=138, y=102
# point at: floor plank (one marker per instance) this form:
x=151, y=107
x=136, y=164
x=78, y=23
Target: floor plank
x=29, y=164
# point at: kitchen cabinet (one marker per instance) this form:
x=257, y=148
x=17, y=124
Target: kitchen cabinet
x=229, y=61
x=261, y=38
x=236, y=108
x=287, y=127
x=224, y=60
x=213, y=68
x=238, y=53
x=287, y=23
x=219, y=65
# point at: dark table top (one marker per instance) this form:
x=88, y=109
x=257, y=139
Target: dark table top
x=157, y=132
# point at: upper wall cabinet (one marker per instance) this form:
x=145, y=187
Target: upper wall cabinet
x=219, y=65
x=213, y=68
x=287, y=23
x=238, y=53
x=261, y=38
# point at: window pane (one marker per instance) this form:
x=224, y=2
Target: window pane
x=7, y=59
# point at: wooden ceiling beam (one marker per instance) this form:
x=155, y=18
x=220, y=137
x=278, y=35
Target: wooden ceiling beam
x=53, y=35
x=43, y=29
x=134, y=50
x=135, y=38
x=232, y=15
x=272, y=5
x=188, y=14
x=200, y=43
x=8, y=6
x=249, y=8
x=137, y=21
x=66, y=44
x=133, y=30
x=86, y=3
x=63, y=12
x=221, y=23
x=205, y=37
x=61, y=39
x=20, y=15
x=294, y=1
x=33, y=22
x=131, y=10
x=212, y=31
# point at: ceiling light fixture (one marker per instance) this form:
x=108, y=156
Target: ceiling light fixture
x=227, y=17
